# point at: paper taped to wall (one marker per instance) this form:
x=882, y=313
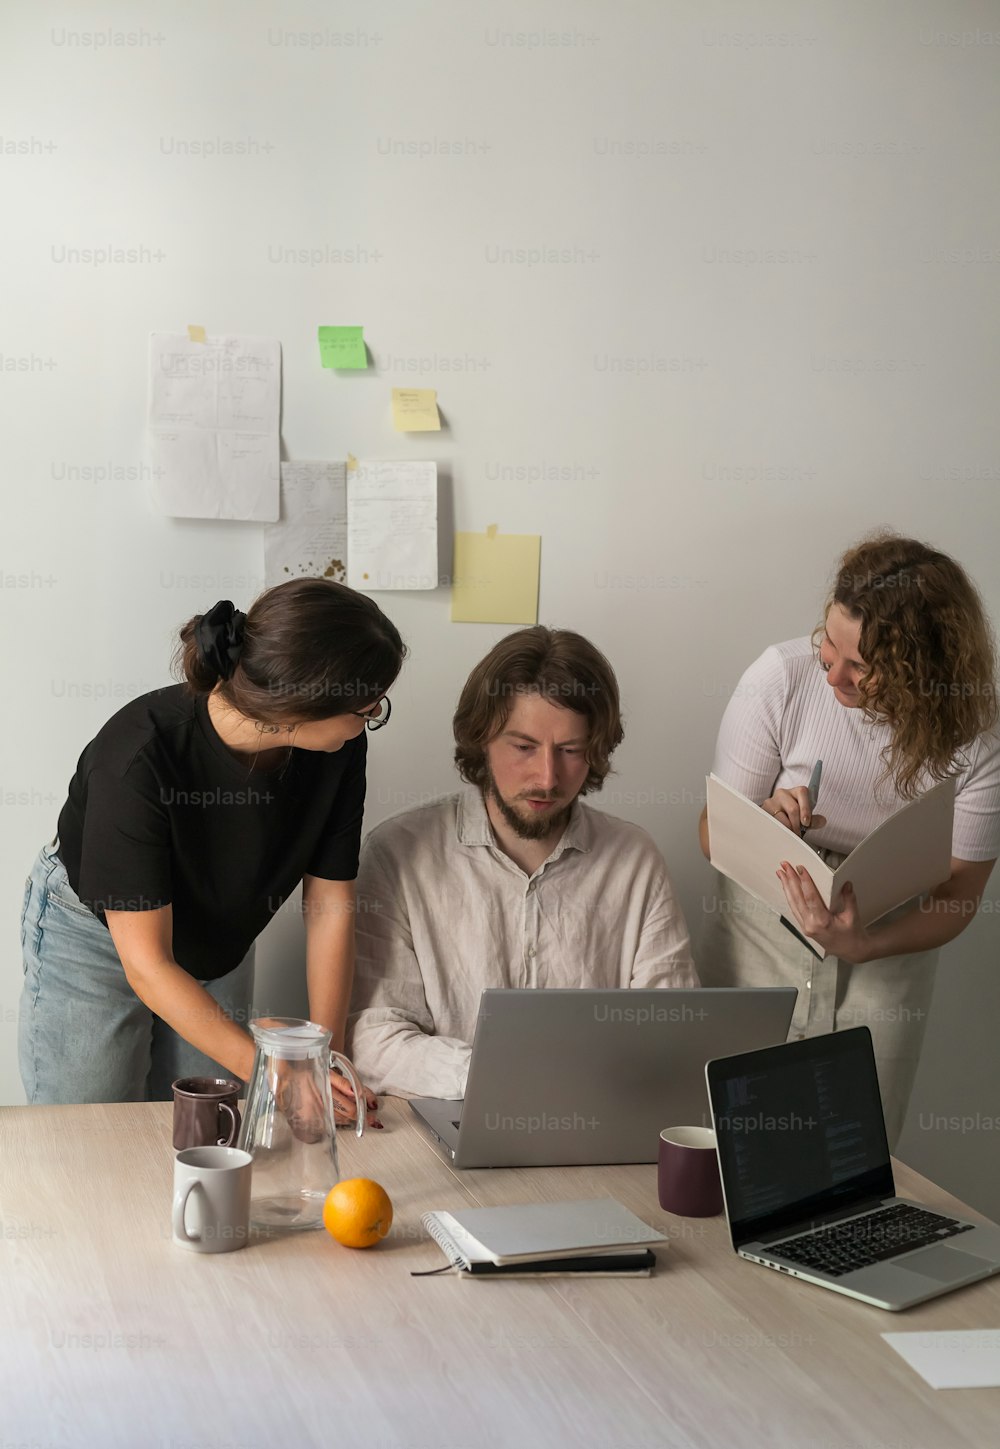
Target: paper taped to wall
x=392, y=526
x=311, y=539
x=213, y=425
x=414, y=410
x=496, y=578
x=343, y=348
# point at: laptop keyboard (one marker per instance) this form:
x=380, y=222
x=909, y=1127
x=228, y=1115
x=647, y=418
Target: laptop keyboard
x=871, y=1239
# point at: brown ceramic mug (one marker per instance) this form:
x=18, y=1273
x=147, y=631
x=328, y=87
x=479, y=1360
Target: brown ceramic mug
x=205, y=1112
x=688, y=1179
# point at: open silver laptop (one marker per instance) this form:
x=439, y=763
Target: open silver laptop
x=592, y=1075
x=808, y=1183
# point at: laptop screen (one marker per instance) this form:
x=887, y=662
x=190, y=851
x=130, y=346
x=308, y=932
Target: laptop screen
x=800, y=1132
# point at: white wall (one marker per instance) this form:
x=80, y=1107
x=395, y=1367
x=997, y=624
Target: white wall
x=782, y=227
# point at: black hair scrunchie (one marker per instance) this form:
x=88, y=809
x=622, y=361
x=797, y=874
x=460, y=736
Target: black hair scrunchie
x=219, y=637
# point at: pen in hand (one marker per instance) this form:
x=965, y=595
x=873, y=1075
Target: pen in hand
x=813, y=789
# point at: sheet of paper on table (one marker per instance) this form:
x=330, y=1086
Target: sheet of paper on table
x=213, y=426
x=495, y=578
x=952, y=1359
x=311, y=539
x=414, y=410
x=343, y=348
x=392, y=525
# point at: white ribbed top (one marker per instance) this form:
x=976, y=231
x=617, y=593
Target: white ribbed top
x=783, y=717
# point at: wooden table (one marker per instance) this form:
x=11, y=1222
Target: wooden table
x=112, y=1336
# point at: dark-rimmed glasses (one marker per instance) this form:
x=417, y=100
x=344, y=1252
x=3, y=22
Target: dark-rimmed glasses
x=374, y=718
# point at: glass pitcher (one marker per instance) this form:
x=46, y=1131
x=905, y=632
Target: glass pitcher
x=288, y=1123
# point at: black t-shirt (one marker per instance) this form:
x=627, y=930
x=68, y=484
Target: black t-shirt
x=161, y=813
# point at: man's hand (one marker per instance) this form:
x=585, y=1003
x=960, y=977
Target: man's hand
x=792, y=808
x=839, y=931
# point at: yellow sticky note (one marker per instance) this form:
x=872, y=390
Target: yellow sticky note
x=495, y=578
x=414, y=410
x=196, y=334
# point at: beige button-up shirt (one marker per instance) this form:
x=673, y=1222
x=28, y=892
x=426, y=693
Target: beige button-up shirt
x=443, y=913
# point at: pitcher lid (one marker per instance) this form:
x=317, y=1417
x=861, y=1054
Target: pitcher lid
x=291, y=1037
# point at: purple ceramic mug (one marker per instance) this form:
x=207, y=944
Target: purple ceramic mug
x=205, y=1112
x=687, y=1175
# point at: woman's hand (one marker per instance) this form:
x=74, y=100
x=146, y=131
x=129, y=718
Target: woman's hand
x=840, y=931
x=345, y=1107
x=792, y=808
x=300, y=1101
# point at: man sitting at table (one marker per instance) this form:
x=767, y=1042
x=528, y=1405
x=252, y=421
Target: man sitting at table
x=512, y=882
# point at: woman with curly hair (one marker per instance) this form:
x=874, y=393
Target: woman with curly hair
x=895, y=691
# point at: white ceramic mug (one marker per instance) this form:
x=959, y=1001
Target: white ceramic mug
x=211, y=1212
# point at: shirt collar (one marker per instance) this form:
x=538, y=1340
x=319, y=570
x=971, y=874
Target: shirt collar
x=474, y=828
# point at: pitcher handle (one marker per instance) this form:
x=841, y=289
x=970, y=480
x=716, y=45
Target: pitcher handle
x=337, y=1059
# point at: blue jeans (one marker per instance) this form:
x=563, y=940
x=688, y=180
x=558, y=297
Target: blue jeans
x=83, y=1034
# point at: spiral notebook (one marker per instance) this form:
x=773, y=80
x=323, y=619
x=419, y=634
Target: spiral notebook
x=596, y=1235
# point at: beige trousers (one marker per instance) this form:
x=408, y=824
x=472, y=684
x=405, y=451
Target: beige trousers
x=745, y=944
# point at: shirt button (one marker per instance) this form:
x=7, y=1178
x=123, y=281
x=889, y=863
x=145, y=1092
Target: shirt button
x=800, y=1036
x=809, y=986
x=531, y=950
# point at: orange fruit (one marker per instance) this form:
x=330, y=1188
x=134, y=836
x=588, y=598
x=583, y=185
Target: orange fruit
x=357, y=1212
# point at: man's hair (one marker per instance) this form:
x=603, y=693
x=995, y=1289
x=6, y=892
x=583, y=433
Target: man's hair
x=555, y=664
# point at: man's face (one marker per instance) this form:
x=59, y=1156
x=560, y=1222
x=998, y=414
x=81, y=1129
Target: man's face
x=537, y=766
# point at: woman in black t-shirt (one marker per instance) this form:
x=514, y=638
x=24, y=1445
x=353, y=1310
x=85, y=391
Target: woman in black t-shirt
x=191, y=818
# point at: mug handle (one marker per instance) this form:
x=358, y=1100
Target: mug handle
x=180, y=1207
x=234, y=1125
x=336, y=1059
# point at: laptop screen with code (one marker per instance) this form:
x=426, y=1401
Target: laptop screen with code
x=800, y=1132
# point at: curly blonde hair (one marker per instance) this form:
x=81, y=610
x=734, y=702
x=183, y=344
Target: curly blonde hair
x=929, y=651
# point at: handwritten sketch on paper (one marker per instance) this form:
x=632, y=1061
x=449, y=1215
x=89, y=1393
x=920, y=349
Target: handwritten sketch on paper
x=342, y=348
x=214, y=411
x=311, y=539
x=392, y=526
x=415, y=410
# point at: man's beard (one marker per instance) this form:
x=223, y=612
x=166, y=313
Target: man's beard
x=548, y=824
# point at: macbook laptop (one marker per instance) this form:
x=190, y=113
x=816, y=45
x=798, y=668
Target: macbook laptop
x=808, y=1184
x=591, y=1076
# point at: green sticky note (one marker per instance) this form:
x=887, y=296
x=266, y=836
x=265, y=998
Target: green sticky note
x=342, y=347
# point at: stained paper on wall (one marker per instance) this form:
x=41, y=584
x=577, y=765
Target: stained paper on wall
x=214, y=411
x=311, y=539
x=392, y=526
